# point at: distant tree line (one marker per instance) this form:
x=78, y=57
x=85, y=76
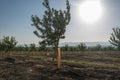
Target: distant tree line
x=31, y=47
x=9, y=44
x=79, y=47
x=83, y=47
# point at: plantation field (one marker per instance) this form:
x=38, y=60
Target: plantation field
x=88, y=65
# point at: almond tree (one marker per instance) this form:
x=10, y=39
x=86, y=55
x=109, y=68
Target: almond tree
x=7, y=43
x=52, y=26
x=115, y=37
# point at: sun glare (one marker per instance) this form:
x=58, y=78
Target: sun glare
x=90, y=11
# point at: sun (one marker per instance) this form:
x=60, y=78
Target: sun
x=90, y=11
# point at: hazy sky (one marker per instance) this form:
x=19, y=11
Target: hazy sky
x=15, y=20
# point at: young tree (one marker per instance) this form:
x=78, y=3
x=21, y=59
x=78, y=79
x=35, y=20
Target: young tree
x=115, y=37
x=42, y=47
x=52, y=26
x=19, y=48
x=66, y=47
x=98, y=47
x=1, y=47
x=82, y=47
x=26, y=47
x=8, y=43
x=32, y=47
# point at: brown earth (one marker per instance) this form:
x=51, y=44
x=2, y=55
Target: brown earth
x=19, y=67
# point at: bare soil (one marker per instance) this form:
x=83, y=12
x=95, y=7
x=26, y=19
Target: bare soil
x=21, y=67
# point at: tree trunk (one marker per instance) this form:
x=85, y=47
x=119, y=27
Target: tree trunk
x=55, y=51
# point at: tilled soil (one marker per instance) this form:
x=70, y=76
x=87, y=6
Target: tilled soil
x=20, y=68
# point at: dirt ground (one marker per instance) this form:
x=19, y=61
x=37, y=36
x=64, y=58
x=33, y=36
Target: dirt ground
x=20, y=67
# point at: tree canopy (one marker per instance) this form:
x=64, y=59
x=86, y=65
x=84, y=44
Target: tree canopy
x=52, y=26
x=115, y=37
x=7, y=43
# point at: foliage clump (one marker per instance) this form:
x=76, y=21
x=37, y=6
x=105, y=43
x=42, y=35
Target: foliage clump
x=115, y=37
x=7, y=43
